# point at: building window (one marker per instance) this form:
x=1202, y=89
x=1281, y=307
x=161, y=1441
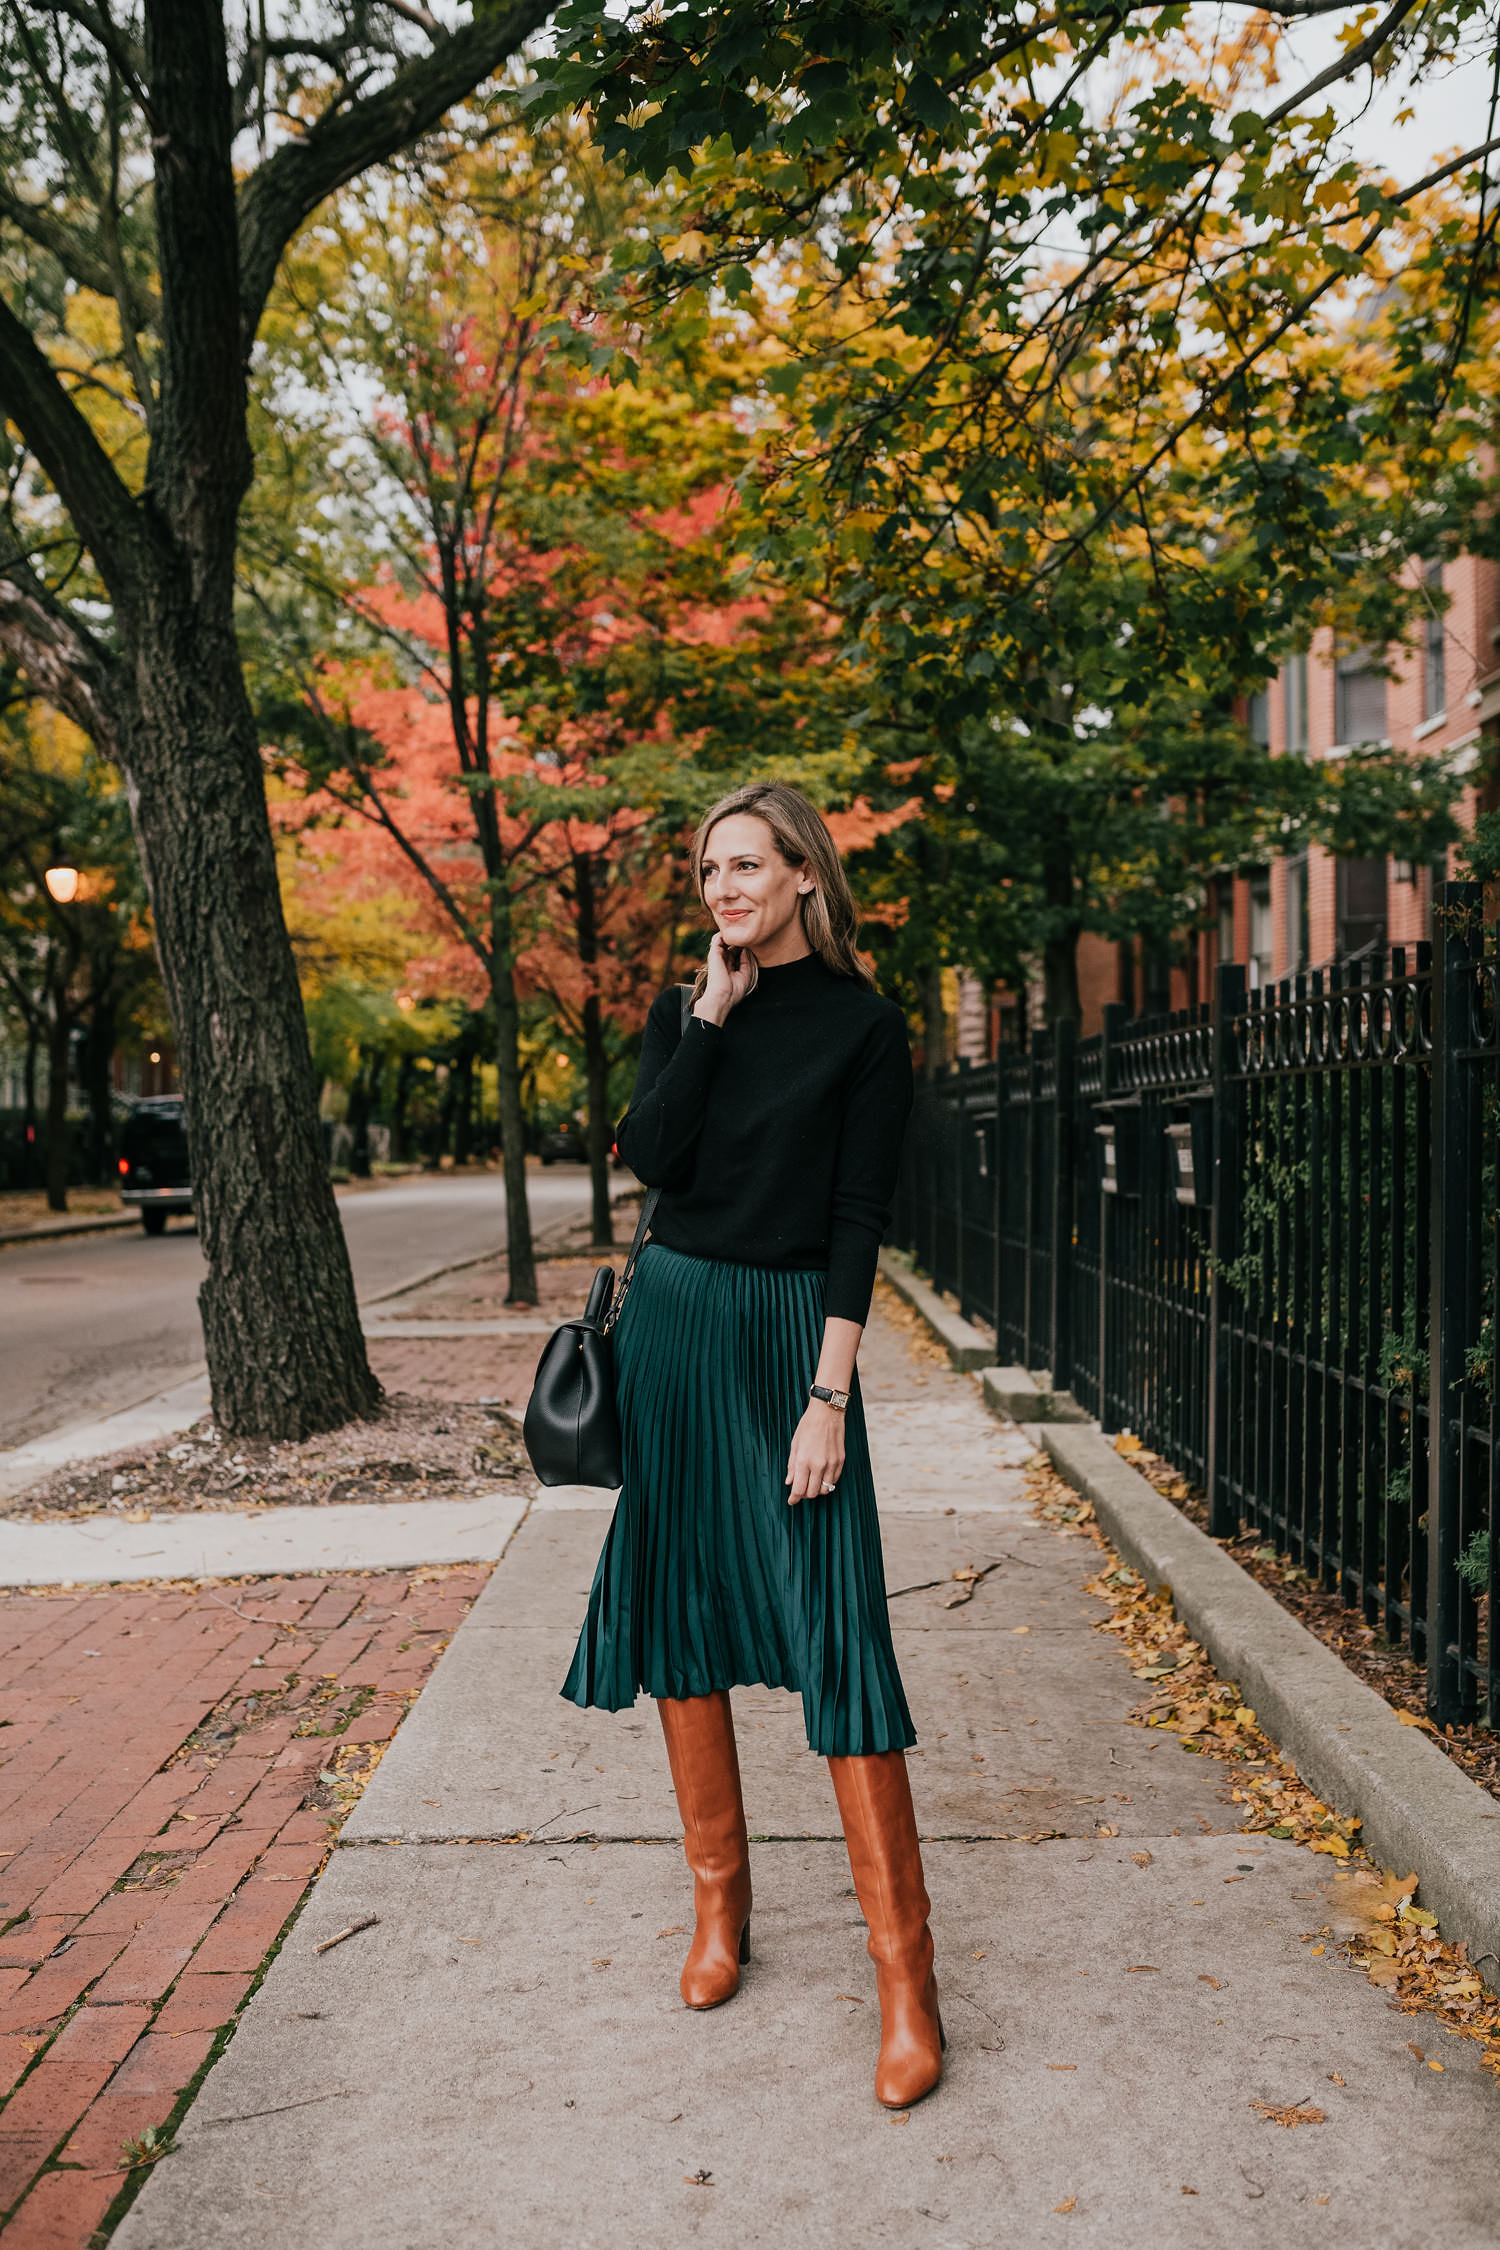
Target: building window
x=1296, y=914
x=1258, y=718
x=1361, y=906
x=1260, y=927
x=1359, y=698
x=1294, y=705
x=1434, y=670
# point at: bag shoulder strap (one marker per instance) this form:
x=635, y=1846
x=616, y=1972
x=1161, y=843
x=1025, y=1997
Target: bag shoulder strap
x=652, y=1198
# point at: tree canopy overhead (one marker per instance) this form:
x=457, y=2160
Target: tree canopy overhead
x=984, y=219
x=1108, y=372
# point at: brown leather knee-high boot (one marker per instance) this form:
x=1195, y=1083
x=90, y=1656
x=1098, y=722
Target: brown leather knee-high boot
x=880, y=1828
x=706, y=1777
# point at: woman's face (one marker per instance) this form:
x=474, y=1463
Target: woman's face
x=752, y=893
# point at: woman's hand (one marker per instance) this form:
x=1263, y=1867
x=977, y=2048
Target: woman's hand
x=725, y=986
x=816, y=1460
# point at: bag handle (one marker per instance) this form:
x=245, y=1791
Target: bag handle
x=648, y=1208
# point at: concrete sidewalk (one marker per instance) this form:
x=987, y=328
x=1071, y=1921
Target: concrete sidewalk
x=503, y=2058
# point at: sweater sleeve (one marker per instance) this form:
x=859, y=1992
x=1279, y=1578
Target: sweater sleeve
x=659, y=1131
x=880, y=1097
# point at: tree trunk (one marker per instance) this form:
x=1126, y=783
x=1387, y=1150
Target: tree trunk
x=361, y=1095
x=98, y=1054
x=406, y=1071
x=1060, y=977
x=463, y=1096
x=595, y=1055
x=520, y=1251
x=28, y=1098
x=934, y=1023
x=439, y=1122
x=58, y=1031
x=281, y=1327
x=1060, y=996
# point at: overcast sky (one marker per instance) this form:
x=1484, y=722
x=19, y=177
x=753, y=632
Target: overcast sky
x=1450, y=111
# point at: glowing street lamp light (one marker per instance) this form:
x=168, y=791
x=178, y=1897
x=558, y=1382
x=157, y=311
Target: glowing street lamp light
x=61, y=880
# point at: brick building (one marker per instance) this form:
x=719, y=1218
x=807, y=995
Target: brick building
x=1310, y=909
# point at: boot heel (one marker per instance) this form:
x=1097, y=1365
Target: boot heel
x=744, y=1945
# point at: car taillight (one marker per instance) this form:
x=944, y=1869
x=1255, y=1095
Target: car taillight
x=124, y=1167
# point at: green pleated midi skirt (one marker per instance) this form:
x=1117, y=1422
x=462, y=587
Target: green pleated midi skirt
x=708, y=1579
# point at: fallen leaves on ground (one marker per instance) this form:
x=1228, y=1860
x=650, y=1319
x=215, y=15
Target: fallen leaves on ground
x=1291, y=2114
x=1397, y=1943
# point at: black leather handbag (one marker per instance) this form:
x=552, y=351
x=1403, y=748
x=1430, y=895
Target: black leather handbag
x=572, y=1426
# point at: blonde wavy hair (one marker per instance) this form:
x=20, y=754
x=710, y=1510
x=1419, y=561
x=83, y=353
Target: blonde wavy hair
x=829, y=921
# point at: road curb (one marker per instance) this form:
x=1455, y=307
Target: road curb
x=964, y=1344
x=54, y=1231
x=1418, y=1810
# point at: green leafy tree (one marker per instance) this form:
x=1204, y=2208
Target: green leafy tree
x=1072, y=427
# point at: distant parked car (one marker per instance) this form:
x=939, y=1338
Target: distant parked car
x=156, y=1177
x=562, y=1144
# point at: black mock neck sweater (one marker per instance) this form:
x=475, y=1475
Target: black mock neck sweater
x=775, y=1137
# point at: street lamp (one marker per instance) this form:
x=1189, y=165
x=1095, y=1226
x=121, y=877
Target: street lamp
x=61, y=880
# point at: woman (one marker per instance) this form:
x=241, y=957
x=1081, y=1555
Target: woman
x=745, y=1547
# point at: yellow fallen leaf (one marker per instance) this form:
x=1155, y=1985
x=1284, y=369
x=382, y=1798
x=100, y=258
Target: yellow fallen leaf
x=1126, y=1442
x=137, y=1515
x=1319, y=1949
x=1062, y=2066
x=1417, y=1719
x=1020, y=1628
x=1433, y=2065
x=1070, y=2205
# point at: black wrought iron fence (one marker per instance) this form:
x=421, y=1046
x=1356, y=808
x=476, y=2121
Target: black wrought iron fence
x=1263, y=1235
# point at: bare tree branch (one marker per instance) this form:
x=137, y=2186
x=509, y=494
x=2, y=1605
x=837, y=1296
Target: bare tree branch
x=103, y=512
x=73, y=252
x=289, y=186
x=62, y=661
x=1345, y=65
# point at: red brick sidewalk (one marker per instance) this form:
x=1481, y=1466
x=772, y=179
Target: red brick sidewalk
x=173, y=1765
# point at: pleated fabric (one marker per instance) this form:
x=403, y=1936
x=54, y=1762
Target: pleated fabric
x=708, y=1579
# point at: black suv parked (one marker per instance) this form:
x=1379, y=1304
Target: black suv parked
x=155, y=1174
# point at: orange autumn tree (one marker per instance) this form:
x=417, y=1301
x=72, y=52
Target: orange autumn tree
x=527, y=659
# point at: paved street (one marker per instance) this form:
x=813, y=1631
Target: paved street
x=95, y=1322
x=1134, y=1992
